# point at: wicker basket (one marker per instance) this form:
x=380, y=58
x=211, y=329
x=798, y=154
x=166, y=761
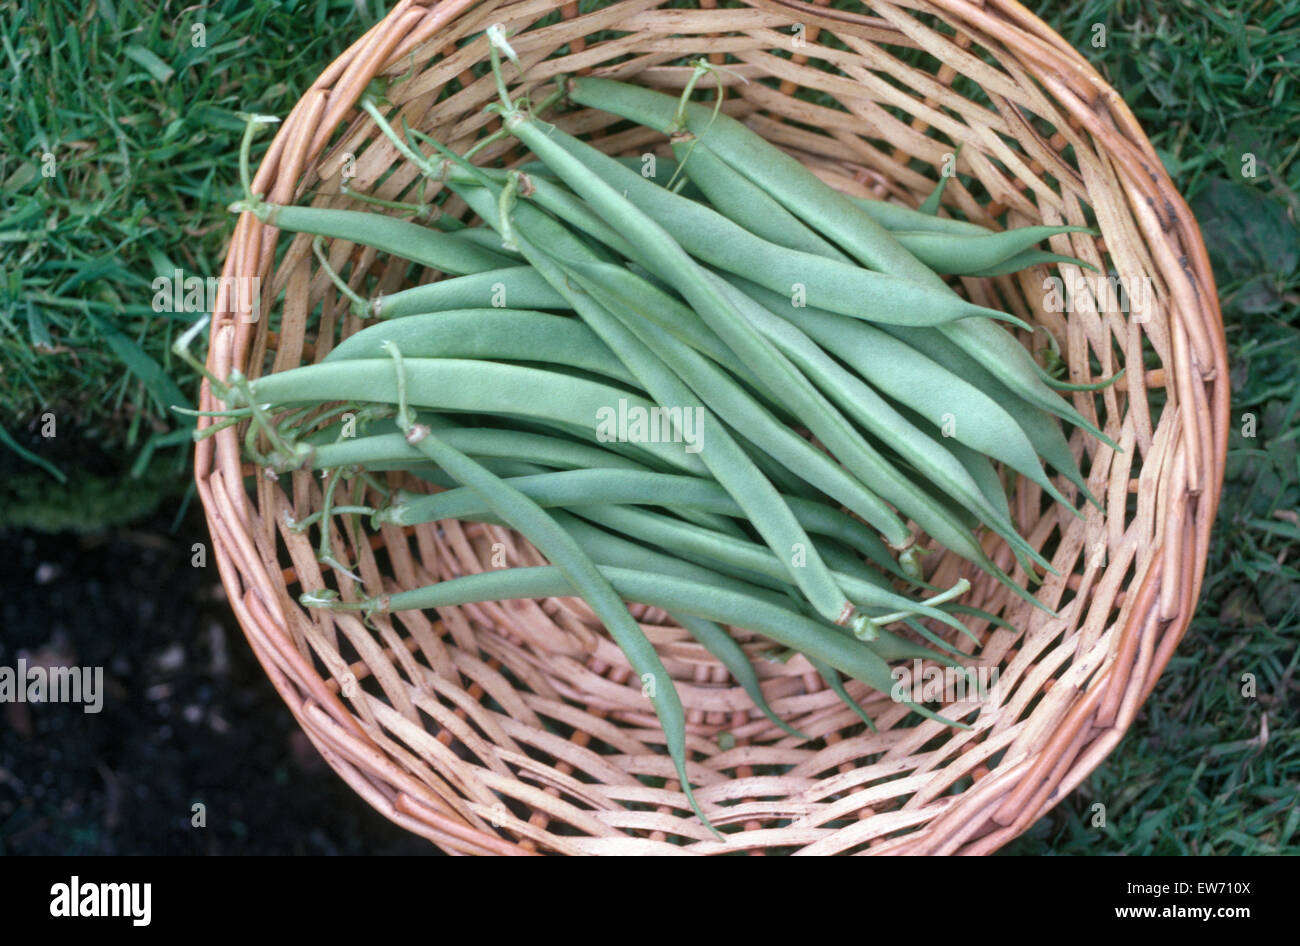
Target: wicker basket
x=517, y=727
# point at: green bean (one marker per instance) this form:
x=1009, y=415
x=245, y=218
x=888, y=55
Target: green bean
x=793, y=185
x=714, y=638
x=412, y=508
x=752, y=207
x=895, y=217
x=873, y=413
x=948, y=395
x=517, y=286
x=712, y=238
x=1025, y=260
x=490, y=334
x=746, y=203
x=823, y=208
x=724, y=459
x=831, y=677
x=1042, y=430
x=746, y=417
x=477, y=442
x=444, y=252
x=598, y=486
x=965, y=255
x=568, y=560
x=609, y=549
x=682, y=538
x=606, y=548
x=674, y=595
x=981, y=470
x=480, y=387
x=1007, y=360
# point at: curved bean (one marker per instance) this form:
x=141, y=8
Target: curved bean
x=948, y=394
x=672, y=594
x=480, y=442
x=597, y=486
x=683, y=537
x=489, y=334
x=436, y=249
x=965, y=255
x=724, y=459
x=1039, y=426
x=712, y=238
x=802, y=192
x=568, y=559
x=517, y=286
x=869, y=410
x=715, y=639
x=895, y=217
x=479, y=387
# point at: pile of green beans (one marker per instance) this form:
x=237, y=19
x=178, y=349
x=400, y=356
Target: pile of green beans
x=825, y=396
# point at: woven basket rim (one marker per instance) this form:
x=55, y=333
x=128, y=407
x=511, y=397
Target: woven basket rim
x=1159, y=598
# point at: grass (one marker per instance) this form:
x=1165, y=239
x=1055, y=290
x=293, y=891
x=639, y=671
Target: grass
x=121, y=129
x=143, y=126
x=1205, y=769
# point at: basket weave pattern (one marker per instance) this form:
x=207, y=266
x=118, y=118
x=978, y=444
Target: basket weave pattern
x=517, y=727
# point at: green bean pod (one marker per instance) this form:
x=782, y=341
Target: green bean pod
x=1038, y=424
x=603, y=486
x=674, y=595
x=436, y=249
x=715, y=639
x=868, y=409
x=479, y=442
x=712, y=238
x=793, y=185
x=479, y=387
x=1027, y=258
x=949, y=396
x=579, y=573
x=520, y=287
x=895, y=217
x=966, y=255
x=706, y=545
x=724, y=459
x=489, y=334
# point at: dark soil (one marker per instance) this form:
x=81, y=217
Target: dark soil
x=188, y=716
